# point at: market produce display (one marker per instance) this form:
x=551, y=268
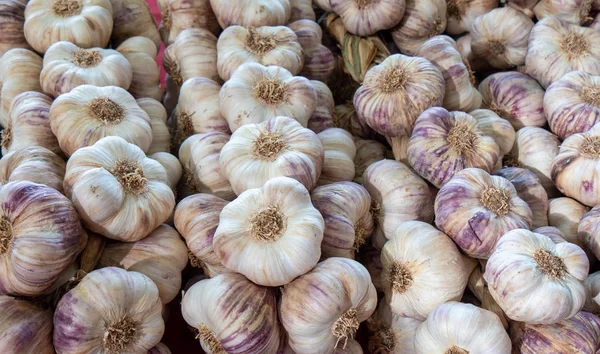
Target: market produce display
x=300, y=176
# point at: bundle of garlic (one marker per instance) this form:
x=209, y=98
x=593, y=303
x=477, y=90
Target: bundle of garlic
x=35, y=164
x=192, y=54
x=25, y=327
x=178, y=15
x=141, y=53
x=132, y=18
x=12, y=18
x=251, y=13
x=319, y=61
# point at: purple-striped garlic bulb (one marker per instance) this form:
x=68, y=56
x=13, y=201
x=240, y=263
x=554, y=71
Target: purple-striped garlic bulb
x=319, y=61
x=525, y=6
x=35, y=164
x=367, y=153
x=251, y=13
x=535, y=280
x=444, y=143
x=25, y=327
x=391, y=333
x=462, y=13
x=457, y=328
x=572, y=11
x=178, y=15
x=345, y=207
x=12, y=18
x=196, y=218
x=366, y=17
x=394, y=93
x=460, y=93
x=141, y=53
x=110, y=311
x=588, y=228
x=572, y=104
x=277, y=147
x=232, y=315
x=476, y=210
x=322, y=118
x=501, y=36
x=592, y=290
x=257, y=93
x=529, y=189
x=557, y=47
x=322, y=310
x=422, y=20
x=34, y=251
x=422, y=269
x=579, y=154
x=161, y=136
x=339, y=152
x=197, y=153
x=479, y=288
x=192, y=54
x=497, y=128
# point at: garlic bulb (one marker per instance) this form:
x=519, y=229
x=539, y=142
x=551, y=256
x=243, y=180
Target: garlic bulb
x=345, y=207
x=443, y=143
x=460, y=92
x=161, y=137
x=457, y=328
x=573, y=11
x=398, y=195
x=345, y=117
x=323, y=309
x=266, y=45
x=161, y=256
x=301, y=10
x=579, y=155
x=526, y=6
x=192, y=54
x=141, y=54
x=557, y=47
x=588, y=228
x=422, y=268
x=279, y=146
x=319, y=61
x=34, y=163
x=132, y=18
x=19, y=72
x=534, y=149
x=160, y=349
x=476, y=209
x=86, y=23
x=25, y=327
x=199, y=155
x=578, y=334
x=421, y=21
x=572, y=104
x=29, y=266
x=67, y=66
x=251, y=13
x=197, y=218
x=503, y=46
x=565, y=214
x=529, y=189
x=198, y=110
x=323, y=117
x=118, y=191
x=367, y=153
x=89, y=113
x=339, y=151
x=172, y=166
x=462, y=13
x=535, y=280
x=178, y=15
x=12, y=18
x=497, y=128
x=110, y=311
x=256, y=93
x=391, y=333
x=232, y=315
x=479, y=288
x=366, y=17
x=592, y=290
x=28, y=124
x=271, y=234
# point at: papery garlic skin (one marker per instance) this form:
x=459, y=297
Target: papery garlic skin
x=497, y=128
x=110, y=310
x=367, y=153
x=196, y=218
x=421, y=21
x=455, y=327
x=275, y=227
x=479, y=288
x=251, y=13
x=588, y=231
x=178, y=15
x=554, y=233
x=505, y=45
x=35, y=164
x=132, y=18
x=476, y=210
x=345, y=117
x=592, y=291
x=322, y=309
x=172, y=166
x=27, y=266
x=232, y=315
x=339, y=152
x=161, y=137
x=277, y=45
x=557, y=47
x=25, y=328
x=391, y=333
x=422, y=269
x=277, y=147
x=565, y=214
x=443, y=143
x=461, y=14
x=572, y=104
x=573, y=11
x=266, y=92
x=535, y=280
x=192, y=54
x=365, y=18
x=526, y=6
x=319, y=61
x=118, y=191
x=12, y=18
x=322, y=118
x=141, y=53
x=86, y=23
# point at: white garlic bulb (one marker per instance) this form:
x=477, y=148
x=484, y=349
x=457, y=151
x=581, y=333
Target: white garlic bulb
x=279, y=146
x=161, y=137
x=141, y=53
x=271, y=234
x=26, y=328
x=323, y=117
x=35, y=164
x=256, y=93
x=535, y=280
x=422, y=20
x=573, y=11
x=251, y=13
x=192, y=54
x=366, y=17
x=67, y=66
x=339, y=152
x=172, y=166
x=462, y=14
x=178, y=15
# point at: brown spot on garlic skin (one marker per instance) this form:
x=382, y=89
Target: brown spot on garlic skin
x=393, y=80
x=6, y=235
x=345, y=327
x=67, y=8
x=6, y=136
x=119, y=335
x=462, y=139
x=400, y=277
x=268, y=146
x=106, y=110
x=271, y=91
x=209, y=339
x=590, y=147
x=496, y=200
x=550, y=264
x=268, y=224
x=86, y=58
x=258, y=44
x=591, y=95
x=130, y=175
x=575, y=45
x=456, y=350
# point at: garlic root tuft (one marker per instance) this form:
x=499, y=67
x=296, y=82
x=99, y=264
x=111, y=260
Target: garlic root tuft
x=184, y=121
x=401, y=278
x=106, y=110
x=462, y=139
x=67, y=8
x=208, y=338
x=130, y=175
x=496, y=47
x=271, y=91
x=268, y=146
x=259, y=44
x=394, y=80
x=591, y=95
x=591, y=146
x=118, y=335
x=268, y=224
x=549, y=263
x=496, y=200
x=457, y=8
x=575, y=45
x=195, y=261
x=510, y=161
x=345, y=327
x=6, y=137
x=86, y=58
x=456, y=350
x=6, y=235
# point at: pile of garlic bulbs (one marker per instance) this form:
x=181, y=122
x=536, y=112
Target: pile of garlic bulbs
x=310, y=177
